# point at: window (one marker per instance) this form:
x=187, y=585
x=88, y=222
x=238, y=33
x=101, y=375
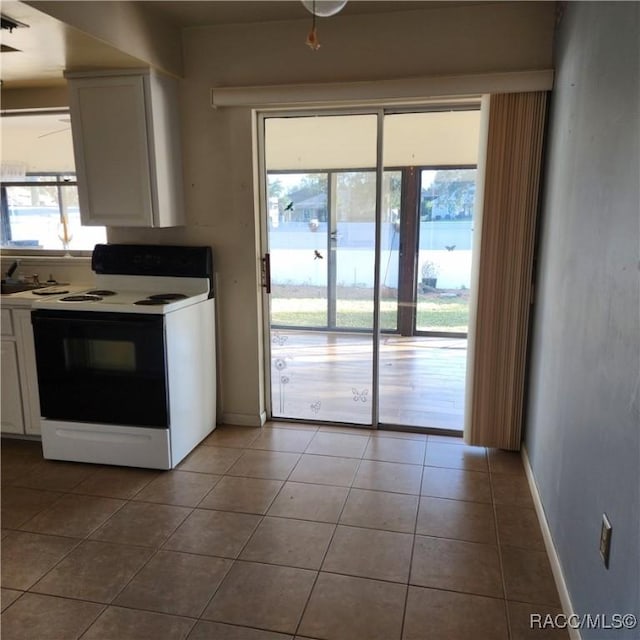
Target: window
x=42, y=212
x=39, y=207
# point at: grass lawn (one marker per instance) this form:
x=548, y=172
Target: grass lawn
x=291, y=307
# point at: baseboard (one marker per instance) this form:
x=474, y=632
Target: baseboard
x=556, y=567
x=244, y=419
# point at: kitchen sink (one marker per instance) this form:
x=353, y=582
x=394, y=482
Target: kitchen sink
x=17, y=287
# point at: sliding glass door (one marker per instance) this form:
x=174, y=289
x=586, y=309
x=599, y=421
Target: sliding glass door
x=369, y=265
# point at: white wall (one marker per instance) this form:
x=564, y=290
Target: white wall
x=219, y=163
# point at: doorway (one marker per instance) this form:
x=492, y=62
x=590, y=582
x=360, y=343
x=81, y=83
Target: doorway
x=369, y=255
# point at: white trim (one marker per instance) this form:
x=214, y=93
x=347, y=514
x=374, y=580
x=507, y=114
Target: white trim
x=258, y=124
x=483, y=143
x=377, y=259
x=245, y=419
x=382, y=91
x=556, y=567
x=106, y=73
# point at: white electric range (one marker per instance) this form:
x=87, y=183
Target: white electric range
x=126, y=368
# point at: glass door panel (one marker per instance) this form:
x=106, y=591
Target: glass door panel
x=353, y=248
x=320, y=221
x=422, y=366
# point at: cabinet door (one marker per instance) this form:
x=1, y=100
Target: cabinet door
x=28, y=370
x=11, y=399
x=111, y=147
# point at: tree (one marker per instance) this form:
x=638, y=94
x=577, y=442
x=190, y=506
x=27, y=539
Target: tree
x=312, y=184
x=357, y=195
x=275, y=188
x=451, y=195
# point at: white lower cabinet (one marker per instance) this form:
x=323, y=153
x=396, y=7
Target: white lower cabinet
x=12, y=420
x=20, y=411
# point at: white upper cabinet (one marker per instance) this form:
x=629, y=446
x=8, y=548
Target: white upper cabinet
x=126, y=143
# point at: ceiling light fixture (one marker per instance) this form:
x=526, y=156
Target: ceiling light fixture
x=322, y=9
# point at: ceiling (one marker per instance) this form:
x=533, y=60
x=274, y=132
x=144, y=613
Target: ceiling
x=192, y=14
x=48, y=46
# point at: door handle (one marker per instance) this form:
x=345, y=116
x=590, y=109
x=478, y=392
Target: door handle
x=266, y=272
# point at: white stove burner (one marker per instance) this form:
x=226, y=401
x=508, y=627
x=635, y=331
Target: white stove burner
x=132, y=294
x=82, y=297
x=101, y=292
x=167, y=296
x=160, y=299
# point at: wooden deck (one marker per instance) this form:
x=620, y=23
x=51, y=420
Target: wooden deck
x=327, y=376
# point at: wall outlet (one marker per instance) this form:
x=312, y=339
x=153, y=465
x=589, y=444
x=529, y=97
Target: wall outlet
x=605, y=539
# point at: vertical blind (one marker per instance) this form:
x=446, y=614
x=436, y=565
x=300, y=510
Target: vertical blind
x=498, y=342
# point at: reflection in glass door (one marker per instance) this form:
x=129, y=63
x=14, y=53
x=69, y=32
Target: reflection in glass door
x=353, y=240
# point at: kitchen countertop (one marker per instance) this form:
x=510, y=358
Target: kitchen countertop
x=25, y=299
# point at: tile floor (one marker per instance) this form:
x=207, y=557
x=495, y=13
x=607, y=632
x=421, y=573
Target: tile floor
x=290, y=531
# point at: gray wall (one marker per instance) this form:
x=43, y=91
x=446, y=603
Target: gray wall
x=583, y=423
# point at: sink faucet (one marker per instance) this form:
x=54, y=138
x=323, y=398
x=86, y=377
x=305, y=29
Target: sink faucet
x=12, y=268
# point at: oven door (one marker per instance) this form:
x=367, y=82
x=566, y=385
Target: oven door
x=106, y=368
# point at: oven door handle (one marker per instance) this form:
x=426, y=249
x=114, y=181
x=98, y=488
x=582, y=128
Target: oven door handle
x=44, y=318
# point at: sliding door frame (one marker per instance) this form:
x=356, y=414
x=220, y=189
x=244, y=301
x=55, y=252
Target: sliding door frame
x=409, y=236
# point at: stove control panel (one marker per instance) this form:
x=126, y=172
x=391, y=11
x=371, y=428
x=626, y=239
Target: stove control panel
x=153, y=260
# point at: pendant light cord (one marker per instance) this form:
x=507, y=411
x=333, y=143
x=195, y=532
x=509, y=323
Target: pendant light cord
x=312, y=37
